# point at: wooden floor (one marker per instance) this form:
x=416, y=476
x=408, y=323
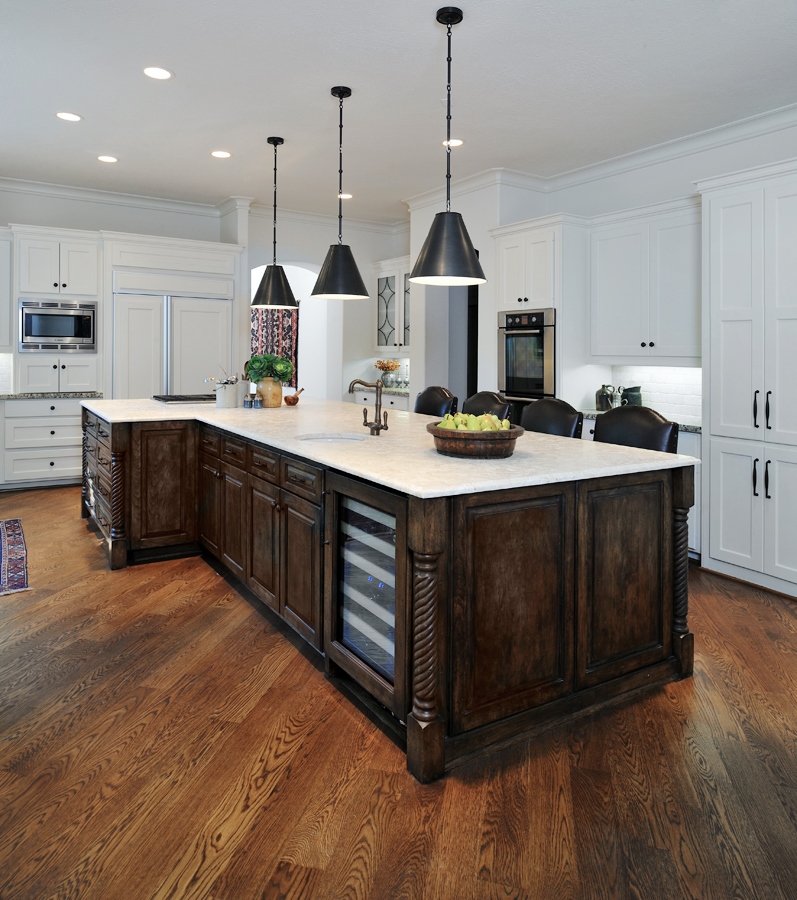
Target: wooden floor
x=161, y=737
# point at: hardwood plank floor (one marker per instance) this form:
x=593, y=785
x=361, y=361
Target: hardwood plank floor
x=161, y=736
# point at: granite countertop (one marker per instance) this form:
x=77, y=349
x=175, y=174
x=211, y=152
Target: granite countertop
x=693, y=424
x=404, y=457
x=52, y=395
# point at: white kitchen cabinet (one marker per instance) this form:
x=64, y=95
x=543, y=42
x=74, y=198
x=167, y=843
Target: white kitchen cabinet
x=44, y=374
x=525, y=269
x=389, y=401
x=5, y=291
x=169, y=345
x=645, y=288
x=754, y=506
x=43, y=440
x=51, y=266
x=392, y=318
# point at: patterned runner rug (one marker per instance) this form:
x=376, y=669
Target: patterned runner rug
x=13, y=557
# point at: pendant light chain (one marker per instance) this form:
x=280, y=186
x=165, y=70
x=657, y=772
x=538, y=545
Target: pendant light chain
x=340, y=176
x=275, y=203
x=448, y=126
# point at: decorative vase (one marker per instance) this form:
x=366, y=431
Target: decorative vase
x=270, y=392
x=388, y=379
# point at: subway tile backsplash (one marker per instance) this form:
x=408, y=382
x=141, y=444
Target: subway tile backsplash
x=675, y=392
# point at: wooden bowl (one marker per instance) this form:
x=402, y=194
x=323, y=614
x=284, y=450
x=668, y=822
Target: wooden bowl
x=475, y=444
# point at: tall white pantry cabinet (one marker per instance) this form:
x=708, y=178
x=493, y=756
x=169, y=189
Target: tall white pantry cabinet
x=750, y=396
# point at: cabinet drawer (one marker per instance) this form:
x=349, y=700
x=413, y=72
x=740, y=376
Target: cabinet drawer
x=301, y=478
x=264, y=463
x=209, y=441
x=59, y=431
x=37, y=465
x=98, y=427
x=98, y=455
x=233, y=452
x=17, y=408
x=99, y=487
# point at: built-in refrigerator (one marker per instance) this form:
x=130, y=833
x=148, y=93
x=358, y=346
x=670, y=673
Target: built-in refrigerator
x=164, y=344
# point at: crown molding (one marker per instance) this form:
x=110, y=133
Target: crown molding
x=179, y=243
x=480, y=181
x=325, y=221
x=233, y=203
x=747, y=176
x=92, y=195
x=548, y=221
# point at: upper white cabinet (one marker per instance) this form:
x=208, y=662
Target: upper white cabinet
x=645, y=288
x=5, y=290
x=392, y=320
x=51, y=266
x=525, y=270
x=753, y=309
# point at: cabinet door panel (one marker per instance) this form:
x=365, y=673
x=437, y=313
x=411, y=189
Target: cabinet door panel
x=781, y=314
x=736, y=513
x=77, y=374
x=138, y=331
x=38, y=374
x=624, y=587
x=263, y=543
x=512, y=618
x=386, y=312
x=210, y=504
x=6, y=329
x=234, y=528
x=737, y=305
x=540, y=275
x=39, y=266
x=300, y=570
x=620, y=290
x=78, y=267
x=511, y=270
x=675, y=271
x=780, y=512
x=201, y=342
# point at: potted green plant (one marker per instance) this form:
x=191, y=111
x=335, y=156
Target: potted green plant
x=268, y=372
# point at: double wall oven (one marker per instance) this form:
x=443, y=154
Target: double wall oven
x=526, y=348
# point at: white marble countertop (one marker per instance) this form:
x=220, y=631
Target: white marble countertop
x=404, y=457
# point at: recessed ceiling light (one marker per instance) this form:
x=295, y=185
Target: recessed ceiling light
x=454, y=142
x=69, y=117
x=345, y=196
x=221, y=154
x=158, y=72
x=107, y=159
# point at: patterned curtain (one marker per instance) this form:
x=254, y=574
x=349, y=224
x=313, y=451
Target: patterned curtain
x=277, y=331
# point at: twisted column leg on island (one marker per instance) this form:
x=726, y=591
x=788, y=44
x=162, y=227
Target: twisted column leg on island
x=683, y=640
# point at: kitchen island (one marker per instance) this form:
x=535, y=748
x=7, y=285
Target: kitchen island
x=514, y=593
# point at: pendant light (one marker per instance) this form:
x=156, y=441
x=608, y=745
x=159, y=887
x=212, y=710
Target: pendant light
x=274, y=291
x=447, y=256
x=339, y=278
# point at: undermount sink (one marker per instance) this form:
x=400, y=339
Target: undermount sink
x=332, y=436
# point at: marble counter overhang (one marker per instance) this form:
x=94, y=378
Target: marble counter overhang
x=402, y=458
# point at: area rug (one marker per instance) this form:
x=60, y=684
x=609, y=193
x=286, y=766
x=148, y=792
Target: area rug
x=13, y=557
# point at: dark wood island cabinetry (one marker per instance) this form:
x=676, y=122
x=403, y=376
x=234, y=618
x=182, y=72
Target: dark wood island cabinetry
x=472, y=617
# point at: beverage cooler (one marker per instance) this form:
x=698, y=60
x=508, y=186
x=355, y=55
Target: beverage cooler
x=366, y=588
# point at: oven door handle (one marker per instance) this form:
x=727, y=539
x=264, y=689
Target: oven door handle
x=522, y=331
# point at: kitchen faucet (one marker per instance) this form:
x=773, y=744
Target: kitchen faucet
x=378, y=425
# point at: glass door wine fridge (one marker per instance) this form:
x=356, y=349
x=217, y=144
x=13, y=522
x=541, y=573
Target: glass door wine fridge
x=365, y=588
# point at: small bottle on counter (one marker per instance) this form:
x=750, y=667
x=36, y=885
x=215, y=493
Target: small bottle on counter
x=258, y=403
x=248, y=402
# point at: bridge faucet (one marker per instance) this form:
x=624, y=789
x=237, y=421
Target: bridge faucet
x=378, y=425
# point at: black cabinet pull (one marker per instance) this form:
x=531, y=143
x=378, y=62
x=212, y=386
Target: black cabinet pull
x=52, y=463
x=519, y=299
x=755, y=409
x=766, y=480
x=755, y=477
x=55, y=367
x=63, y=367
x=55, y=284
x=766, y=411
x=52, y=432
x=652, y=344
x=643, y=344
x=89, y=421
x=63, y=285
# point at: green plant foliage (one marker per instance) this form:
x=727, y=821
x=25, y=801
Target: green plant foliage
x=268, y=365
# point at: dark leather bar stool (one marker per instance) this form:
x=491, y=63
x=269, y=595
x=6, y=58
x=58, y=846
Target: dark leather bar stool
x=435, y=401
x=551, y=416
x=487, y=402
x=637, y=426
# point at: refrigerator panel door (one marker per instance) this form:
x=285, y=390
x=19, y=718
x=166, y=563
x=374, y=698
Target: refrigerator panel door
x=138, y=344
x=200, y=338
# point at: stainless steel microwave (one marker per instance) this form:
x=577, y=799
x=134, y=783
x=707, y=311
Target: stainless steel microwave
x=48, y=326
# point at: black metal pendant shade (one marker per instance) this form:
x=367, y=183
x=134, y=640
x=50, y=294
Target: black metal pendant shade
x=447, y=255
x=274, y=291
x=339, y=278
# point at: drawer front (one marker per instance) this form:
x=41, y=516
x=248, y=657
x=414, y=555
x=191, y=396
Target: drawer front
x=233, y=452
x=58, y=431
x=101, y=513
x=98, y=427
x=301, y=478
x=42, y=465
x=264, y=463
x=54, y=407
x=209, y=442
x=99, y=489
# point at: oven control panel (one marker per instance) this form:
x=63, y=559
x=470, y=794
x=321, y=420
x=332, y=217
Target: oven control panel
x=536, y=318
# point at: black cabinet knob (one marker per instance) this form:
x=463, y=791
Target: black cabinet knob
x=525, y=299
x=52, y=432
x=519, y=299
x=55, y=284
x=55, y=367
x=52, y=463
x=63, y=367
x=63, y=285
x=52, y=407
x=652, y=344
x=643, y=344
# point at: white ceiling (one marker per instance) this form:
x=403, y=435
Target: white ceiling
x=539, y=86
